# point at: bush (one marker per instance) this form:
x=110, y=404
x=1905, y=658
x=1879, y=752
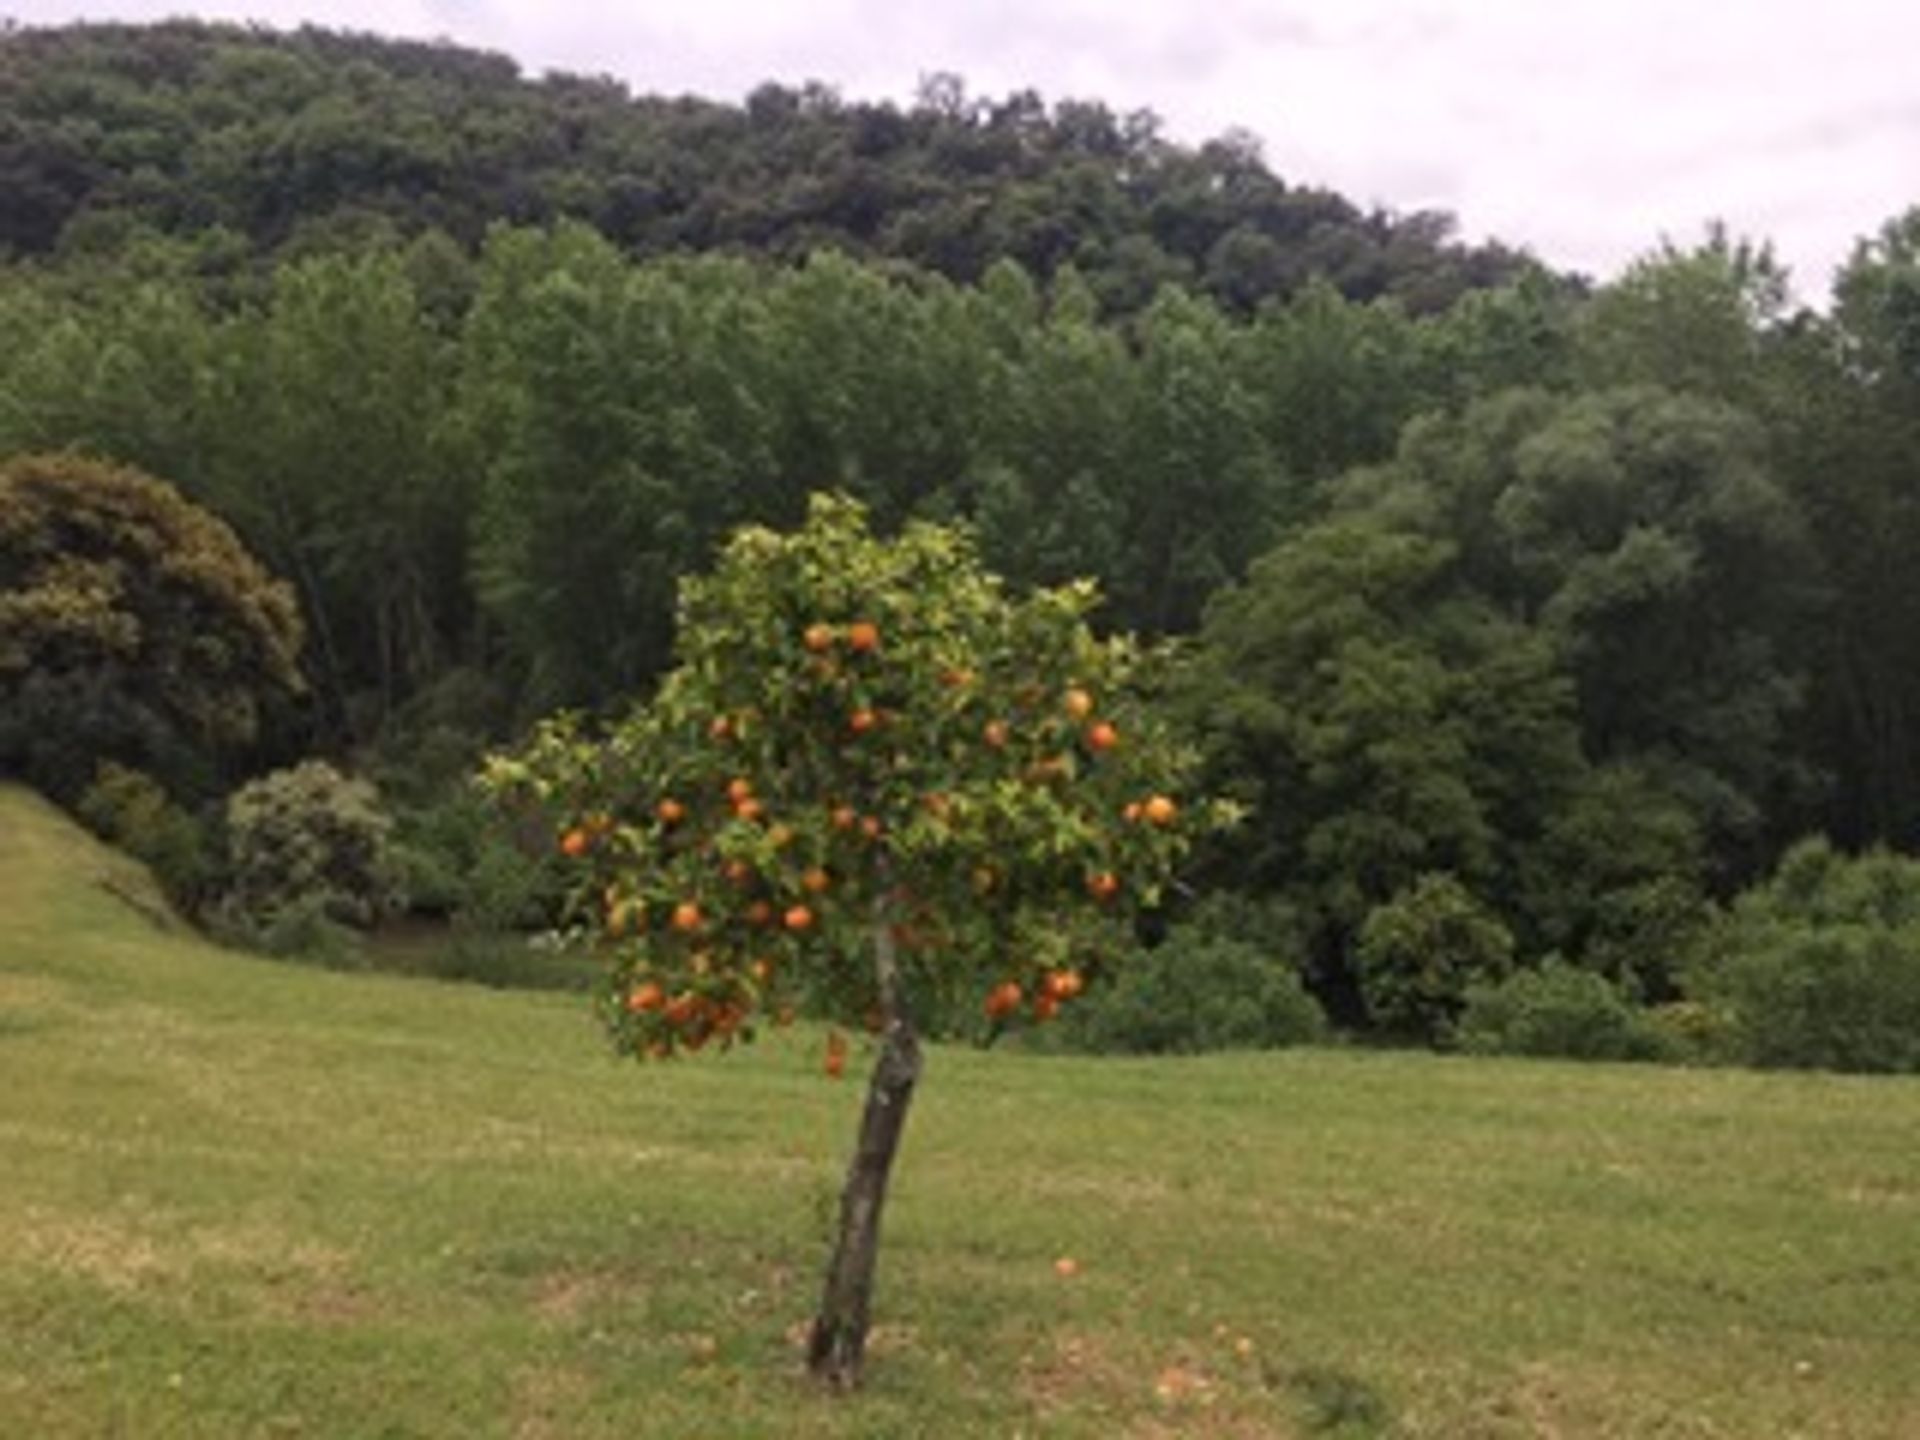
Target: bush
x=1820, y=965
x=1197, y=993
x=1420, y=951
x=130, y=810
x=307, y=839
x=1561, y=1010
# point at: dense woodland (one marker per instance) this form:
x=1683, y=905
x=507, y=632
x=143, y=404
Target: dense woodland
x=1527, y=616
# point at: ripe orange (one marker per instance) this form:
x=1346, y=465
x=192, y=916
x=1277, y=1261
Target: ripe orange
x=798, y=917
x=1132, y=812
x=1064, y=984
x=739, y=788
x=1045, y=1007
x=780, y=836
x=749, y=809
x=760, y=913
x=995, y=734
x=1066, y=1267
x=575, y=843
x=670, y=811
x=761, y=970
x=818, y=637
x=646, y=997
x=863, y=636
x=1102, y=737
x=1003, y=999
x=845, y=817
x=1159, y=810
x=681, y=1008
x=861, y=721
x=816, y=881
x=1078, y=702
x=739, y=871
x=686, y=917
x=721, y=728
x=871, y=827
x=1103, y=886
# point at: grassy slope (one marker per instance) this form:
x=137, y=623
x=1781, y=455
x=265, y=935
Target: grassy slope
x=238, y=1197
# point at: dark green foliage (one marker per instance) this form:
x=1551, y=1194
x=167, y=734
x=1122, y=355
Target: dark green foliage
x=1418, y=954
x=134, y=626
x=1820, y=965
x=313, y=139
x=1197, y=993
x=132, y=811
x=1558, y=1009
x=307, y=845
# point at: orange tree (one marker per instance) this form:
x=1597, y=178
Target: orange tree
x=876, y=786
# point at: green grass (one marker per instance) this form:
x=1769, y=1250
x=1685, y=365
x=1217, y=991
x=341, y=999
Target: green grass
x=240, y=1197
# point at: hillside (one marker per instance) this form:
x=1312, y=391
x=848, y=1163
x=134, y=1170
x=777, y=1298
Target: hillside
x=242, y=1197
x=306, y=139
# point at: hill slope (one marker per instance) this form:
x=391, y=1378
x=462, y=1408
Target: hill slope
x=246, y=1198
x=297, y=137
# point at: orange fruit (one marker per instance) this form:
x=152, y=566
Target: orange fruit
x=798, y=917
x=780, y=836
x=845, y=817
x=818, y=637
x=861, y=721
x=749, y=809
x=1103, y=886
x=1132, y=813
x=575, y=843
x=1102, y=737
x=863, y=636
x=1066, y=1267
x=995, y=734
x=670, y=811
x=1003, y=999
x=1159, y=810
x=816, y=881
x=739, y=871
x=721, y=728
x=1078, y=702
x=760, y=913
x=1064, y=984
x=1045, y=1007
x=739, y=788
x=871, y=827
x=646, y=997
x=686, y=917
x=761, y=970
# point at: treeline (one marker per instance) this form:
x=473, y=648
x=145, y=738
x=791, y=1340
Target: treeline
x=262, y=144
x=1687, y=510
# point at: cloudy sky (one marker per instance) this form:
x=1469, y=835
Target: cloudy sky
x=1585, y=129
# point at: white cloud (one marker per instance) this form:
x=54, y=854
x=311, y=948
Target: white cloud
x=1586, y=129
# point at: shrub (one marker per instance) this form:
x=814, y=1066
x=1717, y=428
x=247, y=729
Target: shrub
x=307, y=838
x=1420, y=951
x=1196, y=993
x=130, y=809
x=1558, y=1009
x=1819, y=966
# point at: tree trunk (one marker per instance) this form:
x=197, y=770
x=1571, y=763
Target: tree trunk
x=837, y=1344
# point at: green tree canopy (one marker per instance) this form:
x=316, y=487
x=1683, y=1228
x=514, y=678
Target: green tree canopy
x=133, y=626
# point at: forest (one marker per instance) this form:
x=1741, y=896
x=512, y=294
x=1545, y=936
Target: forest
x=1556, y=637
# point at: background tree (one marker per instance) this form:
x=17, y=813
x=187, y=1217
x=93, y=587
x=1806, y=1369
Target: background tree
x=876, y=784
x=133, y=626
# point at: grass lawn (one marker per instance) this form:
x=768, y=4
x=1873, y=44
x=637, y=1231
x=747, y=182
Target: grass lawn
x=240, y=1198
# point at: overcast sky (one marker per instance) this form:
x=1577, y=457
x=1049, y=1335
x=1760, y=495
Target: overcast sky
x=1584, y=129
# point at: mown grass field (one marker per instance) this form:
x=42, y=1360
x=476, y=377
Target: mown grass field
x=245, y=1198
